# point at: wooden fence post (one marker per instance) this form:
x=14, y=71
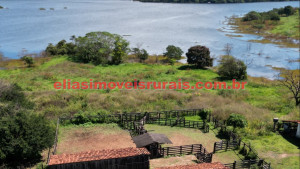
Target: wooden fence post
x=227, y=142
x=168, y=151
x=215, y=144
x=234, y=165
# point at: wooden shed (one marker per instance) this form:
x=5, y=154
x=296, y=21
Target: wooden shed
x=126, y=158
x=151, y=141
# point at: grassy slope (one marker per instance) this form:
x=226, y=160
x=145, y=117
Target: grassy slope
x=37, y=82
x=259, y=92
x=288, y=26
x=281, y=152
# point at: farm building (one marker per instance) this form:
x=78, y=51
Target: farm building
x=152, y=142
x=216, y=165
x=292, y=127
x=125, y=158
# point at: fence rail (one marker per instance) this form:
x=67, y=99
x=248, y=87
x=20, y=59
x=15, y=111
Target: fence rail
x=197, y=149
x=258, y=163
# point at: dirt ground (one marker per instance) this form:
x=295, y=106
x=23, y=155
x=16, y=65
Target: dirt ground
x=185, y=136
x=172, y=161
x=74, y=139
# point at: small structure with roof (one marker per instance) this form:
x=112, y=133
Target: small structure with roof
x=291, y=127
x=128, y=158
x=152, y=142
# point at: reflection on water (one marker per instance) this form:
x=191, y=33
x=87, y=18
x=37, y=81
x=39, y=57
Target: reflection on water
x=155, y=25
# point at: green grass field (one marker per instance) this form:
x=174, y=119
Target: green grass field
x=288, y=26
x=260, y=102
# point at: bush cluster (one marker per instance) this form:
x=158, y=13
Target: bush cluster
x=232, y=68
x=270, y=15
x=95, y=47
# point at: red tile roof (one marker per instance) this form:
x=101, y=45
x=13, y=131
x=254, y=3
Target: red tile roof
x=97, y=155
x=291, y=121
x=216, y=165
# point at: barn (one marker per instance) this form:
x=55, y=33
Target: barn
x=152, y=142
x=125, y=158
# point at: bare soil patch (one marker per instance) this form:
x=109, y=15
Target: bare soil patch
x=74, y=139
x=172, y=161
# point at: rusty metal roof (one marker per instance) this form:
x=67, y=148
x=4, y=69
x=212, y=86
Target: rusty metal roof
x=149, y=138
x=97, y=155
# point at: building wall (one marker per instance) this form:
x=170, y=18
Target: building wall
x=140, y=162
x=298, y=131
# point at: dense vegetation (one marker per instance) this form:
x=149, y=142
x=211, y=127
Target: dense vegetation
x=95, y=47
x=24, y=135
x=210, y=1
x=278, y=26
x=232, y=68
x=273, y=14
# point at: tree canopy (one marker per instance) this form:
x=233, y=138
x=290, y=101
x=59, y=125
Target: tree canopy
x=237, y=120
x=94, y=47
x=173, y=52
x=24, y=135
x=232, y=68
x=199, y=56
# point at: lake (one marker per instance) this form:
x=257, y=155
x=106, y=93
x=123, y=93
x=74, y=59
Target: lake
x=153, y=25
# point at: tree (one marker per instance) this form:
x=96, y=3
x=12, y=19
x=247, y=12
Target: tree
x=28, y=60
x=100, y=48
x=291, y=80
x=173, y=52
x=142, y=54
x=199, y=56
x=236, y=120
x=23, y=137
x=232, y=68
x=288, y=10
x=227, y=48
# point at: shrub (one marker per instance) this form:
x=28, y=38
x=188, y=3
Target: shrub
x=204, y=114
x=1, y=7
x=199, y=56
x=61, y=48
x=173, y=52
x=236, y=120
x=274, y=16
x=28, y=60
x=288, y=10
x=232, y=68
x=141, y=54
x=251, y=16
x=250, y=156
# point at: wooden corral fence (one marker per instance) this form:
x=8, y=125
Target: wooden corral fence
x=55, y=141
x=181, y=123
x=226, y=145
x=249, y=164
x=197, y=149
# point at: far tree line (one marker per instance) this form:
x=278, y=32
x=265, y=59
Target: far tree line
x=210, y=1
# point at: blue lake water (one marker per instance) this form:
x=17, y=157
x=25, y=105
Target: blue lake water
x=154, y=25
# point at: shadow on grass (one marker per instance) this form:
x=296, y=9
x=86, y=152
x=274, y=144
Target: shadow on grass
x=190, y=67
x=292, y=139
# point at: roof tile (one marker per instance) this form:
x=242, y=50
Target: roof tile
x=97, y=155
